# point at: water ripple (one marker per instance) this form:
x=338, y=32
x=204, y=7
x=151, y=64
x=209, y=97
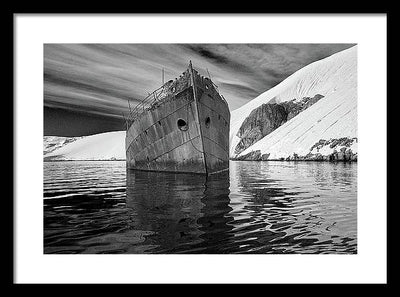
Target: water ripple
x=258, y=207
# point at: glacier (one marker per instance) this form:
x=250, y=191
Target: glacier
x=331, y=120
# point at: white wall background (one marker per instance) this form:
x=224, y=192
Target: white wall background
x=369, y=265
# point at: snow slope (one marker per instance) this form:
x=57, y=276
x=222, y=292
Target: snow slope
x=103, y=146
x=332, y=117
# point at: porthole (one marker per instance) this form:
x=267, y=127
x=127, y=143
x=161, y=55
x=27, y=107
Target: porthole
x=182, y=125
x=159, y=123
x=207, y=87
x=208, y=120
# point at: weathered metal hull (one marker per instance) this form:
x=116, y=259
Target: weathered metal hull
x=158, y=141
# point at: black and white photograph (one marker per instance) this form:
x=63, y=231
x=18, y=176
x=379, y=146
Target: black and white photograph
x=200, y=148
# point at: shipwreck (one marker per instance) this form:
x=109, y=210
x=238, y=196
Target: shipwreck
x=182, y=127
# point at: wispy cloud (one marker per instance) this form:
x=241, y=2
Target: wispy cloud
x=101, y=78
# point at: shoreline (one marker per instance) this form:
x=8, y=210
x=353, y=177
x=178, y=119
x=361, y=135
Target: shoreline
x=299, y=160
x=83, y=160
x=273, y=160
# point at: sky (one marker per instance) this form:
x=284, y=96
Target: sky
x=87, y=86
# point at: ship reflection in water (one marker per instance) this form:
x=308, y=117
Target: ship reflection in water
x=187, y=213
x=256, y=207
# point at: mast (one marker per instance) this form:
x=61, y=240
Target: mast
x=209, y=76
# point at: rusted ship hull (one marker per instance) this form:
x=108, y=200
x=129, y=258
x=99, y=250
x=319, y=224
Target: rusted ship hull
x=187, y=132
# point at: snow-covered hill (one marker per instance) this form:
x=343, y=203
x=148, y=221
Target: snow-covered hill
x=103, y=146
x=329, y=124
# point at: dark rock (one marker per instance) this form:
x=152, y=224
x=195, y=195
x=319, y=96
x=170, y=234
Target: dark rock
x=345, y=155
x=313, y=157
x=294, y=107
x=336, y=142
x=319, y=144
x=268, y=117
x=342, y=154
x=261, y=121
x=265, y=157
x=252, y=156
x=353, y=157
x=344, y=141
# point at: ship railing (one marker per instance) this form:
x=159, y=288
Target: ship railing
x=147, y=102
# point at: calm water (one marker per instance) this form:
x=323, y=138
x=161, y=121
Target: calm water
x=259, y=207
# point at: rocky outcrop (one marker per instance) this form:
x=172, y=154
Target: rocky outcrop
x=333, y=150
x=253, y=156
x=52, y=143
x=345, y=154
x=261, y=121
x=294, y=107
x=333, y=143
x=268, y=117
